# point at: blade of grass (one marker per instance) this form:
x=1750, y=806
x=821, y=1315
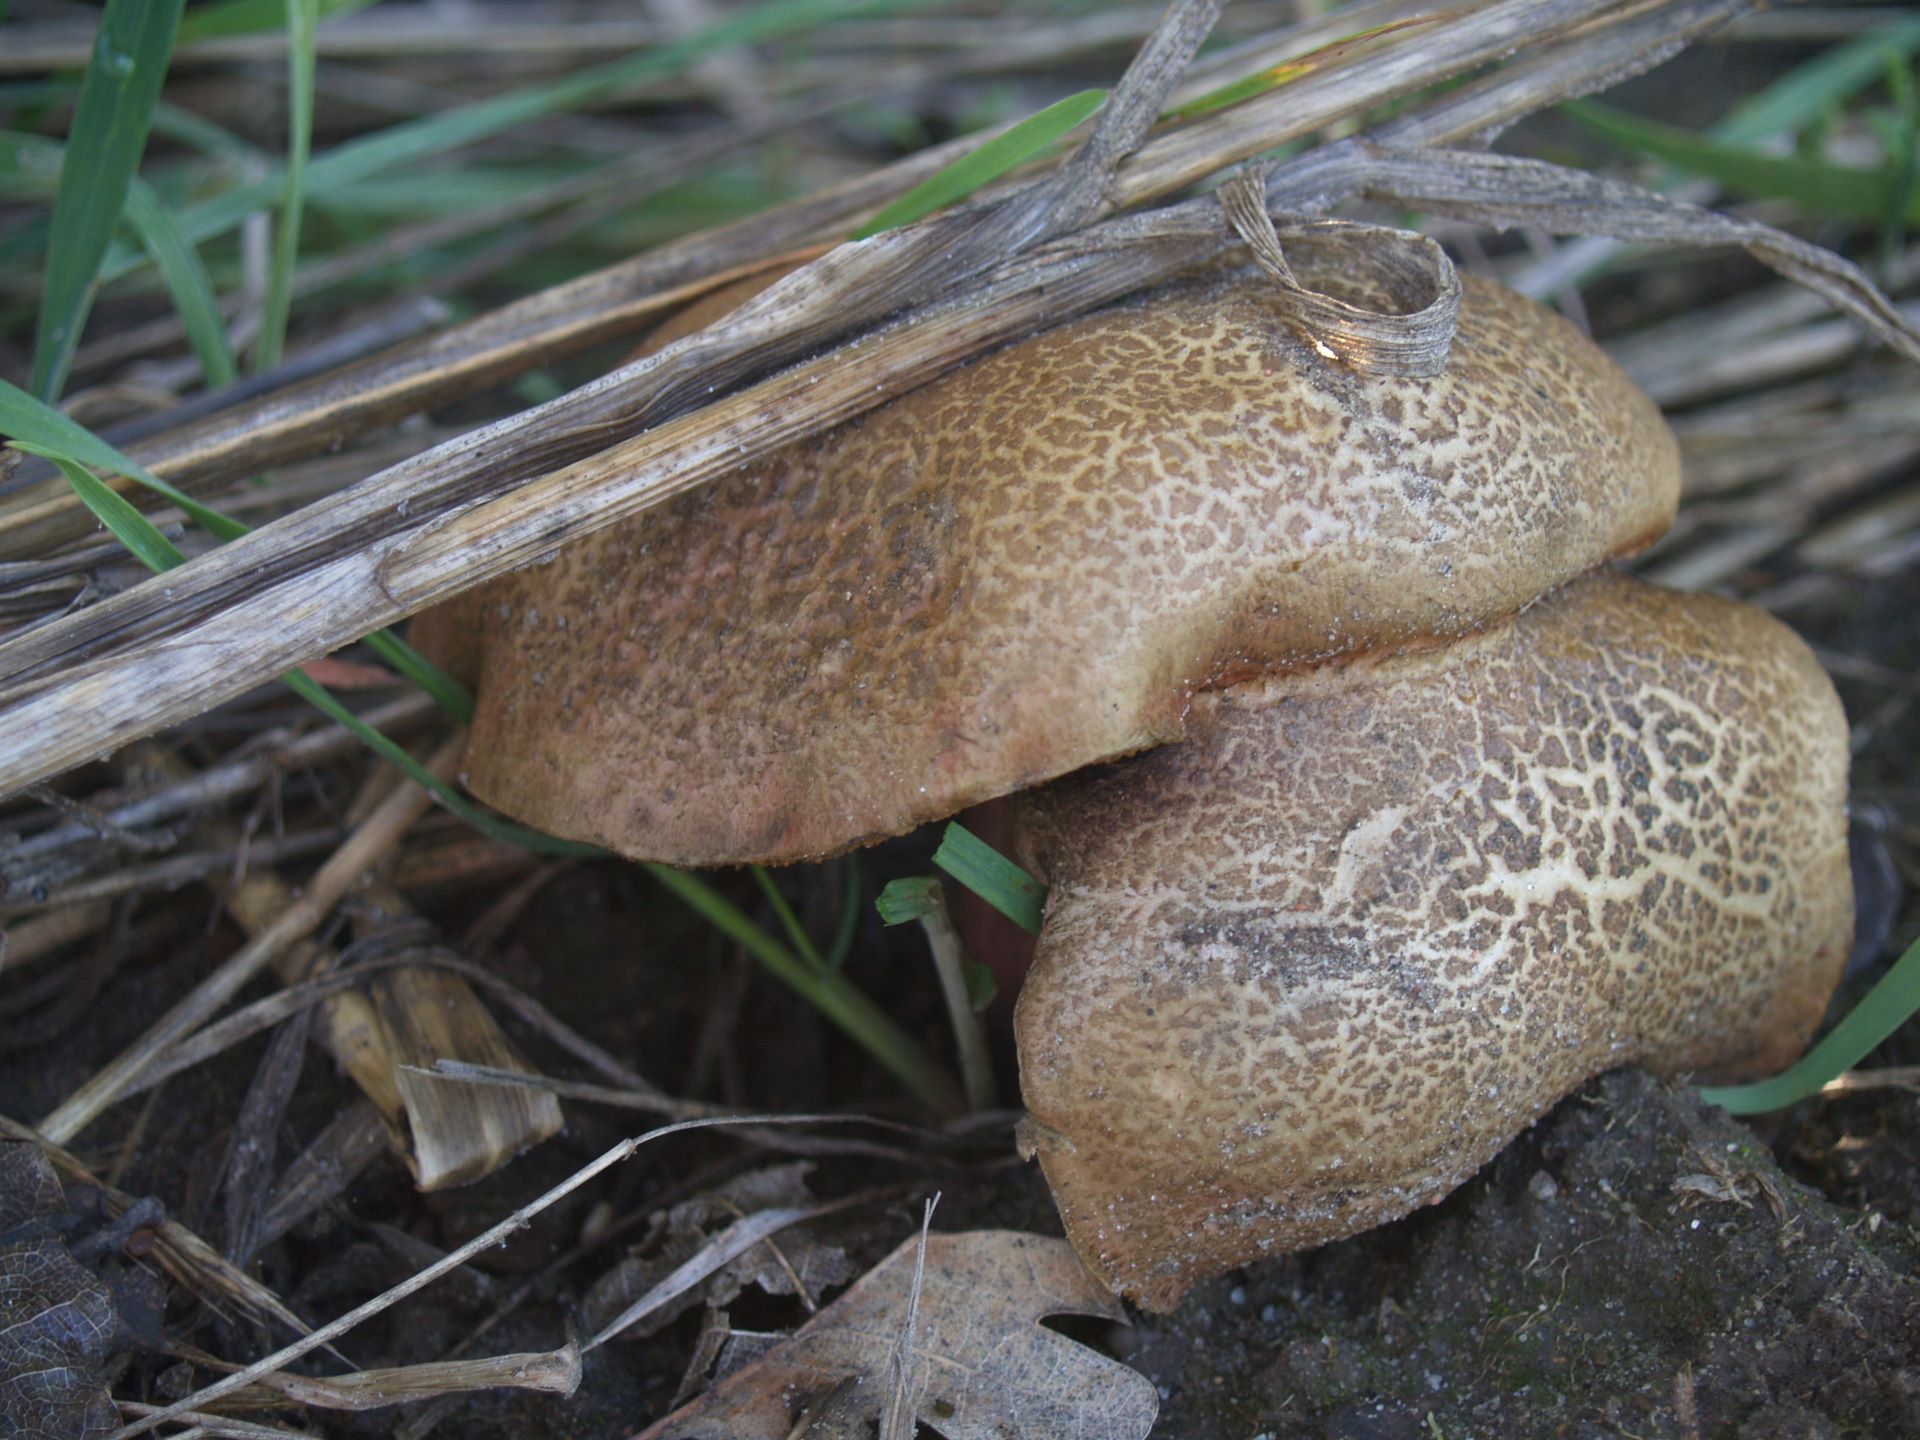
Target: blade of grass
x=416, y=140
x=1900, y=134
x=1799, y=99
x=250, y=17
x=1888, y=1006
x=110, y=123
x=992, y=876
x=302, y=18
x=30, y=165
x=828, y=991
x=186, y=281
x=989, y=162
x=1822, y=83
x=922, y=898
x=1818, y=187
x=796, y=932
x=849, y=926
x=38, y=427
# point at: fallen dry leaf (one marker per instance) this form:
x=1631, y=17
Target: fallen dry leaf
x=980, y=1364
x=57, y=1321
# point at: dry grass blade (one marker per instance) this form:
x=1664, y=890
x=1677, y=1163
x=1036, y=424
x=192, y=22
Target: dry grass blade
x=556, y=1372
x=452, y=1260
x=731, y=1243
x=1505, y=190
x=225, y=1427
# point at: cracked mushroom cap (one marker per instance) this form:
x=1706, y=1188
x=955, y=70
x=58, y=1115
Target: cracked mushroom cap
x=1037, y=562
x=1318, y=964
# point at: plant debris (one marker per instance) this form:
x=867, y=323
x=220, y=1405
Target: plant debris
x=967, y=1313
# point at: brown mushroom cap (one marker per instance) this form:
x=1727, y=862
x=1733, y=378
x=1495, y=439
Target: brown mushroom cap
x=1037, y=562
x=1319, y=963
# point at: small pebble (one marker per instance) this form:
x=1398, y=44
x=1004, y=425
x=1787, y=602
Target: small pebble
x=1543, y=1186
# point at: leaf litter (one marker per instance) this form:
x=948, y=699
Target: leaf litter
x=981, y=1364
x=60, y=1323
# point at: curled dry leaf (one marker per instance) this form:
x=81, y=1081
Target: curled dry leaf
x=981, y=1364
x=57, y=1321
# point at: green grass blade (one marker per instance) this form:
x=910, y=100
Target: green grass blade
x=796, y=932
x=251, y=17
x=988, y=163
x=1888, y=1006
x=492, y=826
x=196, y=132
x=904, y=901
x=30, y=166
x=1900, y=134
x=1811, y=90
x=45, y=429
x=830, y=992
x=112, y=509
x=186, y=280
x=302, y=18
x=1817, y=187
x=39, y=427
x=848, y=929
x=110, y=124
x=414, y=141
x=992, y=876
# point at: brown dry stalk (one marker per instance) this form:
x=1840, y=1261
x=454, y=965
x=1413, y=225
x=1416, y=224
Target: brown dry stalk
x=349, y=564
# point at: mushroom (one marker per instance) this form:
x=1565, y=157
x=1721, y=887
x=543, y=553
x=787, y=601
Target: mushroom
x=1320, y=962
x=1037, y=562
x=1430, y=853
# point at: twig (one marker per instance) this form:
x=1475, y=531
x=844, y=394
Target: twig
x=731, y=1243
x=223, y=782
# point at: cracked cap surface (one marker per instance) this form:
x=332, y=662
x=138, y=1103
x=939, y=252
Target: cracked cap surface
x=1316, y=965
x=1037, y=563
